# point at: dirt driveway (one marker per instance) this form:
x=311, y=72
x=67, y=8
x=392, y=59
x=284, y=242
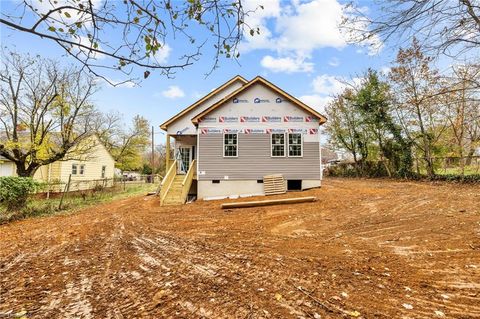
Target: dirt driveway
x=367, y=248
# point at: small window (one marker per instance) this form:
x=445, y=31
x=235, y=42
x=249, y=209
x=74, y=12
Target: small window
x=230, y=144
x=295, y=144
x=259, y=181
x=104, y=169
x=74, y=169
x=82, y=169
x=278, y=145
x=216, y=181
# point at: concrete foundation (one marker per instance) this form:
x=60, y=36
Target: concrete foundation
x=234, y=188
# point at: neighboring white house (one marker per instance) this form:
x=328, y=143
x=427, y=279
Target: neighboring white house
x=7, y=168
x=95, y=167
x=241, y=132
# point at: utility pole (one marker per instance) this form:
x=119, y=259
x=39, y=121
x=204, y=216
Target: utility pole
x=153, y=154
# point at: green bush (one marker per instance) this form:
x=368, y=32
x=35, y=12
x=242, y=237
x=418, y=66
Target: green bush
x=14, y=191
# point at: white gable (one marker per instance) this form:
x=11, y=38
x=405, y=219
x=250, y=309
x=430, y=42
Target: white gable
x=184, y=126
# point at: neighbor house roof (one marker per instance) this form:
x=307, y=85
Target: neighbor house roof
x=259, y=79
x=164, y=125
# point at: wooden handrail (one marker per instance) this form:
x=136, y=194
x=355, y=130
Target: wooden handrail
x=187, y=180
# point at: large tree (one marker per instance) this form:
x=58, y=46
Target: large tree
x=416, y=83
x=133, y=32
x=126, y=144
x=45, y=111
x=345, y=126
x=374, y=103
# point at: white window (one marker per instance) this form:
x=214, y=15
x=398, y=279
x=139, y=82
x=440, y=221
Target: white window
x=82, y=169
x=104, y=169
x=230, y=145
x=74, y=169
x=278, y=145
x=295, y=145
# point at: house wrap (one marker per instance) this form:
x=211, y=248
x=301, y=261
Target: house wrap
x=243, y=131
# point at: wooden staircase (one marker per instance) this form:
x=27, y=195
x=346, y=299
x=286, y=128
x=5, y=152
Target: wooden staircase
x=174, y=193
x=174, y=188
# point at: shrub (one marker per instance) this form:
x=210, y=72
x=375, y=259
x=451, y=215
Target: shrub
x=14, y=191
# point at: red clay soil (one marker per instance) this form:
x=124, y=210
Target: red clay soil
x=365, y=249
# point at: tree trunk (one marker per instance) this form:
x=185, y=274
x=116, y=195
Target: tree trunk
x=25, y=172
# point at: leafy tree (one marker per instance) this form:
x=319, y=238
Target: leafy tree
x=127, y=146
x=345, y=126
x=133, y=32
x=417, y=84
x=373, y=101
x=45, y=111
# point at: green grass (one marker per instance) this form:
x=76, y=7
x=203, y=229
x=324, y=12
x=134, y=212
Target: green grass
x=74, y=201
x=469, y=170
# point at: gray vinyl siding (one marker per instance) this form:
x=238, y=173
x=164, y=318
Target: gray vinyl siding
x=254, y=160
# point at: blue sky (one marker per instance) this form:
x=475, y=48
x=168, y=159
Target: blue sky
x=299, y=49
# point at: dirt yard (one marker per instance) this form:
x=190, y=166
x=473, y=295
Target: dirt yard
x=367, y=248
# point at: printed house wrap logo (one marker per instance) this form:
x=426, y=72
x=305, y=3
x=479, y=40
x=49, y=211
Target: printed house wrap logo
x=208, y=120
x=271, y=118
x=236, y=100
x=253, y=131
x=231, y=130
x=204, y=131
x=249, y=119
x=293, y=118
x=297, y=130
x=275, y=130
x=259, y=100
x=279, y=100
x=228, y=119
x=312, y=131
x=310, y=119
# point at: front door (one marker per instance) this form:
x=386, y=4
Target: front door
x=184, y=159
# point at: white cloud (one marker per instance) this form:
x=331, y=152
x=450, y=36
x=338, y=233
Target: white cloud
x=334, y=62
x=331, y=85
x=66, y=16
x=287, y=64
x=173, y=92
x=81, y=40
x=163, y=53
x=327, y=84
x=296, y=30
x=316, y=101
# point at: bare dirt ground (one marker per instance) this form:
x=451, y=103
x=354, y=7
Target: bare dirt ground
x=367, y=248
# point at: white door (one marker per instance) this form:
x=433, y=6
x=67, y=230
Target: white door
x=184, y=158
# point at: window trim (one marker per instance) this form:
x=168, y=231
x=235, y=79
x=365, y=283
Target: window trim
x=76, y=169
x=285, y=145
x=301, y=145
x=104, y=171
x=223, y=144
x=81, y=171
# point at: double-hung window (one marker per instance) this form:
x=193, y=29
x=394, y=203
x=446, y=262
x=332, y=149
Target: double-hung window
x=278, y=145
x=104, y=169
x=230, y=145
x=295, y=145
x=82, y=169
x=74, y=169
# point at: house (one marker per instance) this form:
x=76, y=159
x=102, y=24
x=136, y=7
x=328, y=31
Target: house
x=89, y=164
x=226, y=142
